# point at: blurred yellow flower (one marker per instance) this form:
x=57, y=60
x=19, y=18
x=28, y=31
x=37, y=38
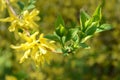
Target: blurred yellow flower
x=2, y=5
x=25, y=20
x=9, y=77
x=37, y=49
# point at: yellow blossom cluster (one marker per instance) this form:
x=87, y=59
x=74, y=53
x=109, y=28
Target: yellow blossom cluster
x=36, y=48
x=26, y=20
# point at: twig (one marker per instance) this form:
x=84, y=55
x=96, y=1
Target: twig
x=10, y=7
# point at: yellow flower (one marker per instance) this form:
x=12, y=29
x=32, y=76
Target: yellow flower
x=9, y=77
x=29, y=18
x=39, y=50
x=2, y=5
x=26, y=20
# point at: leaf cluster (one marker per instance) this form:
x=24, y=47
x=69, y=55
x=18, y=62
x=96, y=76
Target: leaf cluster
x=75, y=38
x=30, y=5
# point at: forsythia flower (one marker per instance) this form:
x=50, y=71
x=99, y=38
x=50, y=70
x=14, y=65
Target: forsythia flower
x=39, y=50
x=2, y=5
x=26, y=20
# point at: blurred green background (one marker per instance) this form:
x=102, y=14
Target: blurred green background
x=101, y=62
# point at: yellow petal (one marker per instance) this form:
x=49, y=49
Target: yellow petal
x=9, y=19
x=22, y=46
x=33, y=36
x=25, y=37
x=13, y=26
x=34, y=13
x=25, y=14
x=42, y=50
x=26, y=54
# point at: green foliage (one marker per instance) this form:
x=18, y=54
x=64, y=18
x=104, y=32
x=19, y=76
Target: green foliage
x=21, y=5
x=74, y=38
x=104, y=27
x=60, y=30
x=83, y=18
x=59, y=21
x=71, y=33
x=83, y=45
x=30, y=5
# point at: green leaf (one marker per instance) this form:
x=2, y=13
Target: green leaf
x=86, y=38
x=32, y=1
x=96, y=17
x=52, y=37
x=76, y=38
x=63, y=39
x=83, y=45
x=21, y=5
x=83, y=18
x=30, y=7
x=91, y=30
x=59, y=21
x=97, y=14
x=60, y=30
x=104, y=27
x=71, y=33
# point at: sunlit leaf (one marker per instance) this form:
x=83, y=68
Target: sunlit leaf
x=52, y=37
x=31, y=7
x=60, y=30
x=83, y=18
x=96, y=17
x=104, y=27
x=97, y=14
x=91, y=30
x=71, y=33
x=83, y=45
x=59, y=21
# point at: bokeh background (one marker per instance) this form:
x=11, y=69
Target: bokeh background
x=101, y=62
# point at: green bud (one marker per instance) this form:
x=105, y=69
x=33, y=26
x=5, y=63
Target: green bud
x=60, y=31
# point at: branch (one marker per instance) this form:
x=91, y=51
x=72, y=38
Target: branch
x=10, y=7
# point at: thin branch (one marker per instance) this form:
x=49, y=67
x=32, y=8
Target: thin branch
x=10, y=7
